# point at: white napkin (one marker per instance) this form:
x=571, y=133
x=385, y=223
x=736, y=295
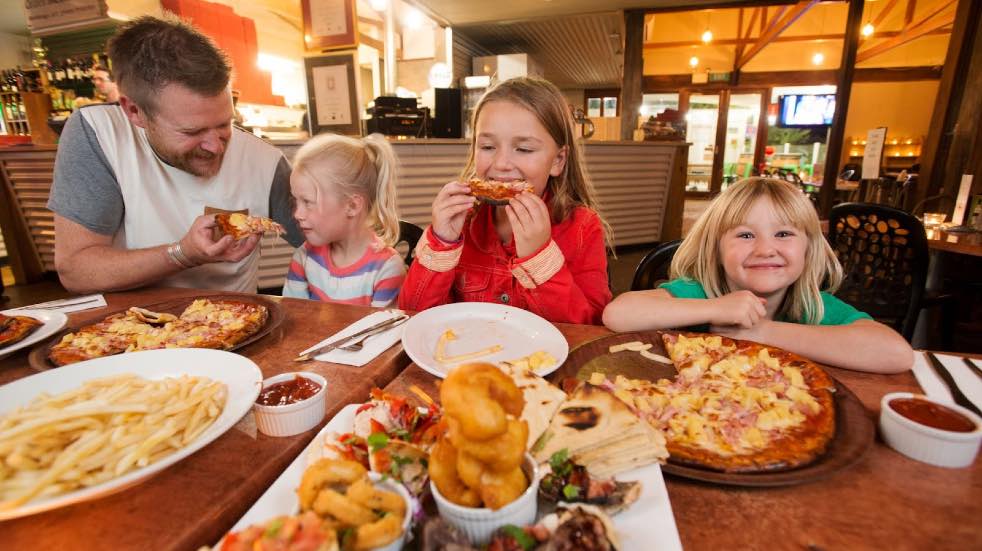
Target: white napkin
x=73, y=304
x=968, y=382
x=374, y=345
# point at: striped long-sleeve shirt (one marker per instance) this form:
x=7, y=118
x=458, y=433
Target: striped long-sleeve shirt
x=374, y=280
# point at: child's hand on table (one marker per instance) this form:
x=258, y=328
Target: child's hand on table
x=450, y=211
x=739, y=309
x=530, y=223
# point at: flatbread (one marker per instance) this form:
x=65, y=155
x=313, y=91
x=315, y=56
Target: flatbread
x=601, y=433
x=542, y=399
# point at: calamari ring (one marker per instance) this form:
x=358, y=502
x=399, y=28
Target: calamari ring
x=364, y=492
x=469, y=469
x=479, y=395
x=500, y=489
x=337, y=473
x=443, y=473
x=500, y=454
x=329, y=503
x=376, y=534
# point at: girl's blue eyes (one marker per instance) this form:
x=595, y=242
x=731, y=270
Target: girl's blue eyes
x=749, y=235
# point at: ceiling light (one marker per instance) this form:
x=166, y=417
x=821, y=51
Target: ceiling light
x=818, y=58
x=413, y=19
x=868, y=29
x=693, y=62
x=707, y=36
x=379, y=5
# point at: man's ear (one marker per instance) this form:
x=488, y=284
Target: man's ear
x=559, y=163
x=134, y=113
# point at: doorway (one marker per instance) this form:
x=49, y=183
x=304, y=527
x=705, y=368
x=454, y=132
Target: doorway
x=727, y=135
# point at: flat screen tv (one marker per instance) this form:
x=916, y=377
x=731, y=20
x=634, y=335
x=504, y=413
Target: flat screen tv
x=806, y=110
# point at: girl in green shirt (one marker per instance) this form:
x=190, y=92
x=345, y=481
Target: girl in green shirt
x=753, y=267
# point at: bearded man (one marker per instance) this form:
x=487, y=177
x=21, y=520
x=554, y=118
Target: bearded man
x=136, y=185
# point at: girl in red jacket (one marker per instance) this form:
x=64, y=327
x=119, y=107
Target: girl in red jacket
x=544, y=251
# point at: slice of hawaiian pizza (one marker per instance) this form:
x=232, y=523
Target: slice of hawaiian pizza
x=240, y=225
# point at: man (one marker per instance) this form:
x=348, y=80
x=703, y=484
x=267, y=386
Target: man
x=102, y=78
x=131, y=179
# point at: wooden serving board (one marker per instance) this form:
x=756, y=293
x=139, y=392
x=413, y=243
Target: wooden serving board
x=38, y=358
x=854, y=431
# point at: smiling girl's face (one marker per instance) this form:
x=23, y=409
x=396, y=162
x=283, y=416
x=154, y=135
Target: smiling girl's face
x=511, y=144
x=763, y=254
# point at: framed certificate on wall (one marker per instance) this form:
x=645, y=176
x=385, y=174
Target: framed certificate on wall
x=332, y=94
x=329, y=24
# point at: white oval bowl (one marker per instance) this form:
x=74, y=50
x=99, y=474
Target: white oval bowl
x=480, y=523
x=938, y=447
x=293, y=418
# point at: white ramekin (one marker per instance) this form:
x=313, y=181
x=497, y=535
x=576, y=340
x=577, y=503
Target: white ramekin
x=480, y=524
x=935, y=446
x=387, y=483
x=292, y=418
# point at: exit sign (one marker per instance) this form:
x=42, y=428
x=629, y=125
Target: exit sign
x=719, y=77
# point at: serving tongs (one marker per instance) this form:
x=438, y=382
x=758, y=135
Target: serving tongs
x=353, y=338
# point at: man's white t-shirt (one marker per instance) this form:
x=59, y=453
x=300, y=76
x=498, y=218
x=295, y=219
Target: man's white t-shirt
x=109, y=180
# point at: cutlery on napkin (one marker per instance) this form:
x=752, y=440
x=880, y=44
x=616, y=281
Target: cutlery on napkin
x=963, y=379
x=373, y=345
x=66, y=305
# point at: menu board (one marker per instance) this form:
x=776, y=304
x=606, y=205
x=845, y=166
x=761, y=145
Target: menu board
x=873, y=155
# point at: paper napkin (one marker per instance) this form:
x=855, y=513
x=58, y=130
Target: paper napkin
x=374, y=345
x=968, y=381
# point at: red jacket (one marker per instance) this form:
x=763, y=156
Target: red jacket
x=564, y=281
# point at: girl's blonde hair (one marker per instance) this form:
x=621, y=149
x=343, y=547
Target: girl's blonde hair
x=353, y=166
x=698, y=257
x=573, y=187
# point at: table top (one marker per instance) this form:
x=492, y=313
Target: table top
x=884, y=501
x=961, y=243
x=195, y=501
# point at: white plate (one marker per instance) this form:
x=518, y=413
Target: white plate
x=53, y=322
x=647, y=524
x=240, y=374
x=479, y=325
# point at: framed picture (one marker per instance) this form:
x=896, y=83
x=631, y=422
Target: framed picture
x=332, y=94
x=329, y=24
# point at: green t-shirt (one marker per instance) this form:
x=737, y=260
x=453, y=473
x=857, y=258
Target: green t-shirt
x=837, y=312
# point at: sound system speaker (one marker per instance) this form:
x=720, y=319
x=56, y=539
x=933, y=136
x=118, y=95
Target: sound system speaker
x=447, y=120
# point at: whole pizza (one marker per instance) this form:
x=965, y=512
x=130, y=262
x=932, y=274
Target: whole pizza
x=16, y=328
x=735, y=406
x=218, y=324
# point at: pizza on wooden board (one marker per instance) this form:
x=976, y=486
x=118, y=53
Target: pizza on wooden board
x=14, y=329
x=735, y=406
x=218, y=324
x=240, y=225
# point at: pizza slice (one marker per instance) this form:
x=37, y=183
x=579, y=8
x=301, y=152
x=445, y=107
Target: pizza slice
x=240, y=225
x=14, y=329
x=498, y=192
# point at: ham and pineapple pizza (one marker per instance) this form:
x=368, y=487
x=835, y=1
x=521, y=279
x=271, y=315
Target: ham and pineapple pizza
x=218, y=324
x=736, y=406
x=240, y=225
x=498, y=192
x=16, y=328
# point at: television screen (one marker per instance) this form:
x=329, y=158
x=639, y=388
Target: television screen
x=806, y=110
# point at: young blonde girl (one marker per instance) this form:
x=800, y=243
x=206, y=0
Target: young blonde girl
x=545, y=250
x=756, y=266
x=344, y=190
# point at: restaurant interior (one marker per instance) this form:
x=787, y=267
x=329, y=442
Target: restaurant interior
x=869, y=107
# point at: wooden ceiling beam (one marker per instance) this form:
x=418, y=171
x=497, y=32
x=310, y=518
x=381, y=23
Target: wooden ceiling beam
x=794, y=38
x=884, y=13
x=934, y=21
x=909, y=13
x=775, y=28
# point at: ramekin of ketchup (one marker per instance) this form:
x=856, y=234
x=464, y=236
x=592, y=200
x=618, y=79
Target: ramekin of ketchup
x=291, y=403
x=946, y=435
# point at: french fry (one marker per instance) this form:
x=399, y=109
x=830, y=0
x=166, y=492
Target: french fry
x=99, y=431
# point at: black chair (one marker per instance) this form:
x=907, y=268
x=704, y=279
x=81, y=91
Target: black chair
x=409, y=234
x=884, y=257
x=653, y=268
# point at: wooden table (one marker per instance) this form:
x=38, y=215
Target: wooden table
x=885, y=501
x=960, y=243
x=195, y=501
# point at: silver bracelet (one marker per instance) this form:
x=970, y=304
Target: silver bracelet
x=184, y=257
x=177, y=256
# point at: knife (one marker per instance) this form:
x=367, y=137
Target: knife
x=942, y=372
x=345, y=340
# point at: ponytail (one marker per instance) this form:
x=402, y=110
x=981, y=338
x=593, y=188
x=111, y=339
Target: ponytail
x=384, y=209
